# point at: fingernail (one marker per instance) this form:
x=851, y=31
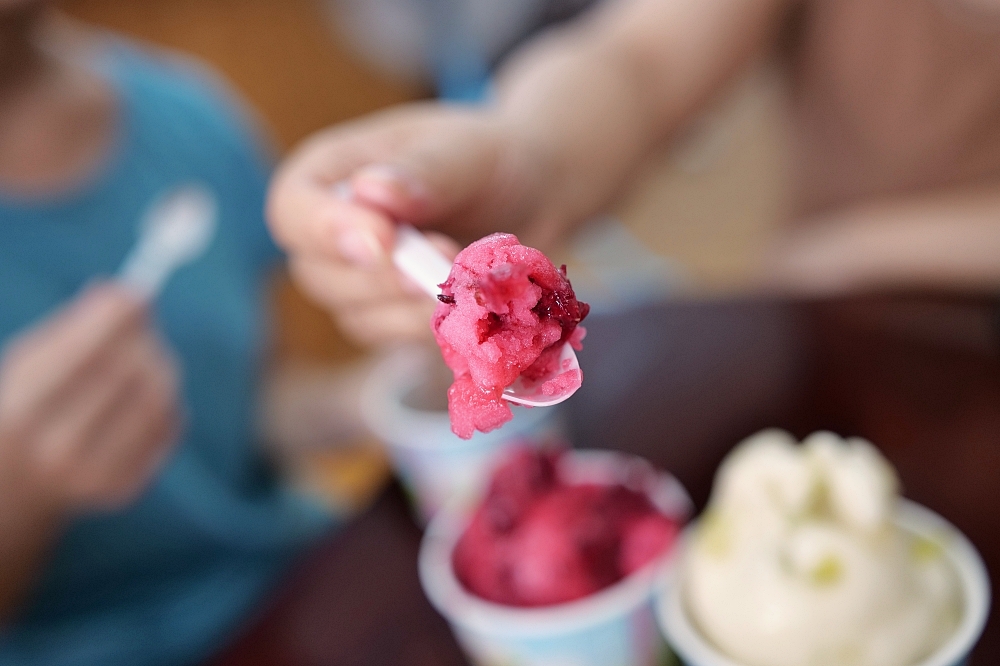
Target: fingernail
x=360, y=247
x=387, y=184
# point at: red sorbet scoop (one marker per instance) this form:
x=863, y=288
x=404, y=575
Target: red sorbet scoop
x=505, y=311
x=537, y=541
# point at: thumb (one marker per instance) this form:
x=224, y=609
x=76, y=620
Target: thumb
x=433, y=176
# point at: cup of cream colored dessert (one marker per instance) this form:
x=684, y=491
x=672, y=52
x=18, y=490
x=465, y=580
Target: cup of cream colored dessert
x=615, y=626
x=404, y=403
x=911, y=590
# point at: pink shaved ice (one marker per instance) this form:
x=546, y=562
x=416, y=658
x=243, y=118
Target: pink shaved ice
x=505, y=311
x=537, y=541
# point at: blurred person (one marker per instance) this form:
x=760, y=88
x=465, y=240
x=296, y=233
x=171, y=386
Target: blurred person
x=450, y=43
x=895, y=166
x=140, y=520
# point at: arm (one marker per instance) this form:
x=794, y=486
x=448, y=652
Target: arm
x=88, y=409
x=943, y=239
x=576, y=113
x=28, y=534
x=596, y=98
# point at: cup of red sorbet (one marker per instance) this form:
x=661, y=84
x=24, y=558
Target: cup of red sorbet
x=611, y=626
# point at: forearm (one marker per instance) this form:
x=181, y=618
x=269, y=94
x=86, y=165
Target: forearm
x=594, y=99
x=88, y=411
x=28, y=534
x=582, y=117
x=948, y=239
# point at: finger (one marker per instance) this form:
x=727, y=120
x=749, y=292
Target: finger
x=94, y=321
x=67, y=435
x=331, y=155
x=339, y=286
x=133, y=443
x=443, y=167
x=135, y=475
x=44, y=364
x=307, y=209
x=315, y=220
x=390, y=323
x=136, y=451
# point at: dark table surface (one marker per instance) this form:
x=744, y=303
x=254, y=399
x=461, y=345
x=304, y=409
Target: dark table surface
x=680, y=384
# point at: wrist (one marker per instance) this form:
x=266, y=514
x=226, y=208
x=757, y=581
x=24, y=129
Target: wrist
x=534, y=175
x=26, y=504
x=28, y=525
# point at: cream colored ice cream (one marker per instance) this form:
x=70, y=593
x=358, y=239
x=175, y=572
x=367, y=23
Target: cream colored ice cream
x=798, y=562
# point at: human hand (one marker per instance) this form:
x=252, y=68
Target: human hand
x=334, y=204
x=88, y=407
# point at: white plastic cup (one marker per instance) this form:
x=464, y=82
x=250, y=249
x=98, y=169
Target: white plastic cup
x=614, y=627
x=434, y=465
x=695, y=650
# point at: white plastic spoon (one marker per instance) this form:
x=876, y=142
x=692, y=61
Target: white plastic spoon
x=176, y=229
x=418, y=259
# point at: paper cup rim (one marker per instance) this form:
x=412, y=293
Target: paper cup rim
x=468, y=611
x=694, y=649
x=385, y=414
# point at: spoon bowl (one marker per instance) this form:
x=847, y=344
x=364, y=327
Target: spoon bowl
x=546, y=392
x=176, y=229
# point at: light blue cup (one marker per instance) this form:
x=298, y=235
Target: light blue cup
x=434, y=465
x=694, y=650
x=615, y=627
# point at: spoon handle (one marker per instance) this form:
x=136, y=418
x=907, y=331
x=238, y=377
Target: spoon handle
x=144, y=272
x=176, y=229
x=418, y=259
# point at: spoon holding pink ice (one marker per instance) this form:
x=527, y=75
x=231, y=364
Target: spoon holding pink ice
x=507, y=324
